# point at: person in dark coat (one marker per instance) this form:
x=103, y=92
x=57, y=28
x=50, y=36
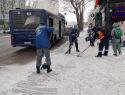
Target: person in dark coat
x=104, y=36
x=72, y=37
x=42, y=45
x=107, y=38
x=90, y=33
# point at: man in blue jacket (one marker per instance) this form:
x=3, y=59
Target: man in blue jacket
x=42, y=45
x=72, y=36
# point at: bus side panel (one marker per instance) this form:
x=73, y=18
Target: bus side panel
x=62, y=29
x=56, y=28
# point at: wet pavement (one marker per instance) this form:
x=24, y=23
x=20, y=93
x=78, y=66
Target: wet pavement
x=19, y=55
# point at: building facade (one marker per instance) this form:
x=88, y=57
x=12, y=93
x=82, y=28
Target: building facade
x=110, y=11
x=5, y=6
x=50, y=5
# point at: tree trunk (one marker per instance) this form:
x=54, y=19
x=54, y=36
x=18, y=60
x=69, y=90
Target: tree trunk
x=78, y=20
x=81, y=21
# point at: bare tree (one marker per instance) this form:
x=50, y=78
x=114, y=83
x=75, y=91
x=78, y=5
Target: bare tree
x=20, y=4
x=13, y=3
x=78, y=6
x=31, y=3
x=3, y=13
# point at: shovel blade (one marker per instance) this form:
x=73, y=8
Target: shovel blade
x=44, y=66
x=78, y=55
x=66, y=52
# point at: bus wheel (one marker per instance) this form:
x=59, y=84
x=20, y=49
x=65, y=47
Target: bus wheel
x=14, y=45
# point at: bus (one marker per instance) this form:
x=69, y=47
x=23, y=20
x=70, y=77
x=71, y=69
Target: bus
x=23, y=23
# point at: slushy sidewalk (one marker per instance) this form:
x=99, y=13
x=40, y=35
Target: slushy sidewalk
x=71, y=75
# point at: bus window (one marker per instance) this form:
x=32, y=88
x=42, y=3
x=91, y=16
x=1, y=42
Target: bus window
x=50, y=22
x=25, y=19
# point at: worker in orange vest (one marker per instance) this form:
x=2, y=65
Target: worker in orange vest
x=100, y=35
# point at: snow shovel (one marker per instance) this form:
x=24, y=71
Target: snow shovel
x=85, y=49
x=71, y=46
x=44, y=65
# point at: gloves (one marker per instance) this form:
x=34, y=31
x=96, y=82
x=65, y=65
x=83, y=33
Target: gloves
x=92, y=42
x=77, y=35
x=71, y=43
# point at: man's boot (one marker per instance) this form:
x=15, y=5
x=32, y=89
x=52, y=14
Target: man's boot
x=38, y=69
x=115, y=54
x=69, y=51
x=48, y=69
x=77, y=50
x=105, y=53
x=98, y=56
x=120, y=52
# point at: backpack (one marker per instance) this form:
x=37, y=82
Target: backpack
x=118, y=33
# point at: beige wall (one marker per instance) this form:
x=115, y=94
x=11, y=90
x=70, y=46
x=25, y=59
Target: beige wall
x=90, y=19
x=49, y=5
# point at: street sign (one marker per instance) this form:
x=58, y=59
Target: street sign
x=92, y=15
x=112, y=1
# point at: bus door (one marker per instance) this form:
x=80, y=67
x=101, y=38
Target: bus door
x=51, y=25
x=59, y=29
x=50, y=22
x=98, y=19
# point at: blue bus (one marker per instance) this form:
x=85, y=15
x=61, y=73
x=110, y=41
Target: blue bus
x=23, y=23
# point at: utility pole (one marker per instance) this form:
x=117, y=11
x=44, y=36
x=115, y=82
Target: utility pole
x=107, y=14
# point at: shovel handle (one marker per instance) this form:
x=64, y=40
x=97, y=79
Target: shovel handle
x=85, y=49
x=70, y=46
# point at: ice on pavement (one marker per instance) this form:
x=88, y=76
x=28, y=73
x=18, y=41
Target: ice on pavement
x=71, y=75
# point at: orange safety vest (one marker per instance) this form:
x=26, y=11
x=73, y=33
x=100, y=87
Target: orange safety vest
x=100, y=34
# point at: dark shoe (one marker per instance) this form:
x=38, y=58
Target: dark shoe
x=77, y=51
x=38, y=69
x=120, y=53
x=48, y=69
x=115, y=54
x=98, y=56
x=104, y=54
x=69, y=52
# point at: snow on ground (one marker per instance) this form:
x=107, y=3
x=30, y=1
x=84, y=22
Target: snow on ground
x=71, y=75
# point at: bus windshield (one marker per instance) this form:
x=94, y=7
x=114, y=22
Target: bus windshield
x=24, y=19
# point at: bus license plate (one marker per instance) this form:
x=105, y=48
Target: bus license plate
x=27, y=42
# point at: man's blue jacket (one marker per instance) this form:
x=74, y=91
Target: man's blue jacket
x=42, y=38
x=71, y=34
